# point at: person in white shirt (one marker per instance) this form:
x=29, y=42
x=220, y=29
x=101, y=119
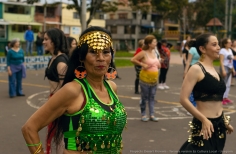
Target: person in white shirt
x=226, y=67
x=188, y=38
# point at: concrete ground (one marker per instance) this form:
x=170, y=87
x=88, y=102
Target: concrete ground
x=165, y=136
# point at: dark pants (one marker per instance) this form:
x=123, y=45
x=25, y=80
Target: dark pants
x=162, y=77
x=136, y=84
x=196, y=143
x=39, y=50
x=15, y=83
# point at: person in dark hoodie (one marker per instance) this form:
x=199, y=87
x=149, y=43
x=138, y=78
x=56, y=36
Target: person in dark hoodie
x=39, y=44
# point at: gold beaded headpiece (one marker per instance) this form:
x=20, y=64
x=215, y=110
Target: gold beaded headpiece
x=97, y=40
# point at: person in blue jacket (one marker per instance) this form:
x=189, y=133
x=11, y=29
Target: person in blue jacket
x=29, y=38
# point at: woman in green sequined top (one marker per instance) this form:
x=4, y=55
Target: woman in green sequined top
x=87, y=113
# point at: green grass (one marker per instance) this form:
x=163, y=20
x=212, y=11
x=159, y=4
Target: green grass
x=123, y=63
x=2, y=54
x=124, y=54
x=216, y=63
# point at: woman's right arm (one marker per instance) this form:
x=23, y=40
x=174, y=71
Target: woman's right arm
x=61, y=102
x=136, y=59
x=184, y=56
x=188, y=62
x=222, y=65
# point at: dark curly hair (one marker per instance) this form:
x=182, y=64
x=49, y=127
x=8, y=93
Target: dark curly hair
x=59, y=40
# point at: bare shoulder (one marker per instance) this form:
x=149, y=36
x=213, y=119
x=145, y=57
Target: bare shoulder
x=71, y=89
x=112, y=84
x=195, y=68
x=195, y=73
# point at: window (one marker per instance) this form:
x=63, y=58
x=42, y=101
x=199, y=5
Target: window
x=172, y=28
x=66, y=29
x=112, y=16
x=123, y=15
x=101, y=16
x=2, y=31
x=17, y=9
x=144, y=16
x=129, y=30
x=50, y=12
x=23, y=28
x=134, y=15
x=39, y=9
x=75, y=15
x=114, y=29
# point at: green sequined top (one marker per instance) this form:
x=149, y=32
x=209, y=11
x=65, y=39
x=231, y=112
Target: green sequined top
x=97, y=128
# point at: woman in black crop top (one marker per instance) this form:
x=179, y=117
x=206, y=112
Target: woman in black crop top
x=55, y=43
x=209, y=125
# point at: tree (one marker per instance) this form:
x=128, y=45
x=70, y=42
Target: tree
x=205, y=11
x=167, y=8
x=93, y=7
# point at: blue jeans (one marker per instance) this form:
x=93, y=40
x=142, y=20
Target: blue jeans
x=15, y=83
x=29, y=47
x=147, y=95
x=39, y=50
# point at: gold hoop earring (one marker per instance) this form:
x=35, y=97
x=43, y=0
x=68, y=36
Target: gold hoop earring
x=202, y=57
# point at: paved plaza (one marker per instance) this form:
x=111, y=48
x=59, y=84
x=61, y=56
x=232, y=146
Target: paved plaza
x=165, y=136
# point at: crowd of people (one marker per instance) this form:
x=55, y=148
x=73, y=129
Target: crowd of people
x=83, y=112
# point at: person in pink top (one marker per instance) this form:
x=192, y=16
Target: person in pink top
x=148, y=76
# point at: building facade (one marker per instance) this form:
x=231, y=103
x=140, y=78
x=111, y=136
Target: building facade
x=3, y=29
x=70, y=22
x=127, y=27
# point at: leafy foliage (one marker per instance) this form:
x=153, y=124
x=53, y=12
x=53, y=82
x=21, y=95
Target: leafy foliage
x=206, y=10
x=95, y=5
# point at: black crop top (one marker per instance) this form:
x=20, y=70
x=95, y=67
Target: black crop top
x=51, y=72
x=209, y=88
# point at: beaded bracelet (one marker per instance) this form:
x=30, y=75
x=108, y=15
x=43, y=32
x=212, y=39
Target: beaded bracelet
x=33, y=145
x=39, y=149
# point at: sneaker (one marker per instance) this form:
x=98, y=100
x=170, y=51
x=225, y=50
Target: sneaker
x=228, y=101
x=224, y=102
x=155, y=119
x=160, y=86
x=165, y=86
x=144, y=119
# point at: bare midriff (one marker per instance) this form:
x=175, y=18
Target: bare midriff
x=211, y=109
